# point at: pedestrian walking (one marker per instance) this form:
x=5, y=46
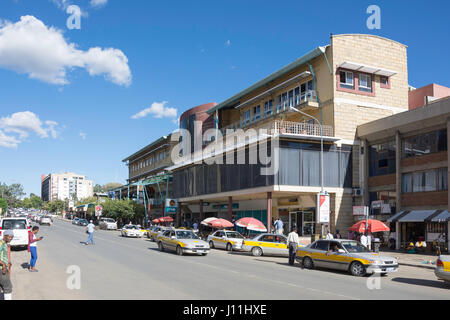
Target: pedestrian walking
x=195, y=225
x=293, y=243
x=90, y=231
x=32, y=247
x=279, y=226
x=364, y=240
x=329, y=236
x=337, y=235
x=5, y=260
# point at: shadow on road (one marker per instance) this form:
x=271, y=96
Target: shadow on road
x=25, y=265
x=424, y=282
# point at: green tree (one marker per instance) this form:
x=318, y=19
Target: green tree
x=98, y=188
x=35, y=201
x=12, y=194
x=3, y=205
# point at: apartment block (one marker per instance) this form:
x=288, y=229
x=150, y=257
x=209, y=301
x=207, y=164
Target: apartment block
x=64, y=186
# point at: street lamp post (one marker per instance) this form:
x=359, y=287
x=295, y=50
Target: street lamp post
x=321, y=152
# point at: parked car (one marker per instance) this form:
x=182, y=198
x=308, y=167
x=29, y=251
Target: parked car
x=226, y=239
x=347, y=255
x=45, y=220
x=131, y=230
x=82, y=222
x=75, y=221
x=107, y=224
x=182, y=241
x=267, y=244
x=20, y=228
x=442, y=270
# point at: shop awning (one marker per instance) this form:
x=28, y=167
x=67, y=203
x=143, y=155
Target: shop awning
x=444, y=216
x=367, y=69
x=412, y=216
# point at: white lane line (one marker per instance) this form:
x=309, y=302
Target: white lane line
x=232, y=271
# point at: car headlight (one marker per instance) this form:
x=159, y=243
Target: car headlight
x=375, y=262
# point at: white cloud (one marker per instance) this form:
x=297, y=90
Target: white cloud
x=158, y=110
x=98, y=3
x=21, y=124
x=228, y=43
x=30, y=47
x=83, y=135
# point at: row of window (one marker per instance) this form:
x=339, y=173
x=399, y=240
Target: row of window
x=426, y=143
x=361, y=82
x=148, y=162
x=425, y=181
x=291, y=98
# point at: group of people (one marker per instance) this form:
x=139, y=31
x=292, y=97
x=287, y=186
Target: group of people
x=5, y=258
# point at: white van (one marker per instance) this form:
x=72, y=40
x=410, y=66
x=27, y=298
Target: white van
x=20, y=227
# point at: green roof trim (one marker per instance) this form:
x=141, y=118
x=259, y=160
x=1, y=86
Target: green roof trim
x=298, y=62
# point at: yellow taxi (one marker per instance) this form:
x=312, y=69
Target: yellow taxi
x=442, y=270
x=266, y=244
x=154, y=231
x=182, y=241
x=346, y=255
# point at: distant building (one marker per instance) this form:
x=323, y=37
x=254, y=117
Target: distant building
x=67, y=185
x=423, y=96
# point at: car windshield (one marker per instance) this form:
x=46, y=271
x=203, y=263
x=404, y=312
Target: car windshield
x=354, y=246
x=186, y=235
x=131, y=227
x=82, y=220
x=235, y=235
x=14, y=224
x=110, y=220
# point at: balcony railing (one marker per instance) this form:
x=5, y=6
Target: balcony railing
x=300, y=128
x=282, y=107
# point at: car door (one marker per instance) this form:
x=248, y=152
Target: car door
x=318, y=253
x=218, y=239
x=336, y=260
x=281, y=245
x=267, y=244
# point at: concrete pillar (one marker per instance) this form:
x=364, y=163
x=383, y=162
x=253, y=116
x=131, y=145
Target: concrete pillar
x=398, y=237
x=201, y=211
x=398, y=169
x=230, y=208
x=178, y=218
x=269, y=212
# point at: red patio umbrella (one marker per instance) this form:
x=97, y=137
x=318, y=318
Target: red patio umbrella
x=166, y=219
x=155, y=221
x=251, y=224
x=220, y=223
x=372, y=226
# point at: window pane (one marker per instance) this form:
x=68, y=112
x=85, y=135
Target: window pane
x=418, y=182
x=443, y=179
x=430, y=180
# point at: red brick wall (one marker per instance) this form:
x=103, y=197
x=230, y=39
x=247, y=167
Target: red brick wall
x=388, y=179
x=421, y=160
x=420, y=199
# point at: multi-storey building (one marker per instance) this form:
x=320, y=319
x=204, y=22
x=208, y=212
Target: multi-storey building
x=64, y=186
x=351, y=81
x=406, y=165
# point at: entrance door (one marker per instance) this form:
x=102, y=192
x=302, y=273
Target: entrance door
x=295, y=220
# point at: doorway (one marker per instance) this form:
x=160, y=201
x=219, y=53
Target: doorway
x=304, y=220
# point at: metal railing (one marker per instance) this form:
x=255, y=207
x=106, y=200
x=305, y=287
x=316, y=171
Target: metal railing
x=300, y=128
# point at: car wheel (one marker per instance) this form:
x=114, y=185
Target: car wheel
x=229, y=247
x=383, y=274
x=357, y=269
x=160, y=246
x=179, y=251
x=308, y=263
x=257, y=251
x=211, y=244
x=204, y=254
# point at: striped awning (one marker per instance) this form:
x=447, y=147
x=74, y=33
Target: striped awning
x=442, y=216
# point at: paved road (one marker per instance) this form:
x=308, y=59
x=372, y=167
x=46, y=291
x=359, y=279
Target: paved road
x=125, y=268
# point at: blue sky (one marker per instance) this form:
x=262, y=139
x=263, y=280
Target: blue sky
x=184, y=53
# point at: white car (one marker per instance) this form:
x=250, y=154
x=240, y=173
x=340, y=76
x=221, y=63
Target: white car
x=226, y=239
x=107, y=224
x=20, y=228
x=45, y=220
x=131, y=230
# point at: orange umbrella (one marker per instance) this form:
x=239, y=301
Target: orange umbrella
x=155, y=221
x=251, y=224
x=220, y=223
x=372, y=226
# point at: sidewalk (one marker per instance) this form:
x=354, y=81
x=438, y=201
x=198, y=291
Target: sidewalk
x=427, y=261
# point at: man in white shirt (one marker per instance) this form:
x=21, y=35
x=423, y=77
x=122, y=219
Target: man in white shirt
x=364, y=240
x=329, y=236
x=293, y=243
x=90, y=230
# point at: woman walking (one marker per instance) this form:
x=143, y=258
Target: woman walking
x=32, y=247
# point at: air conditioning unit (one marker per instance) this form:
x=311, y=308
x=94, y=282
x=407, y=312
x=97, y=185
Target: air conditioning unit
x=357, y=192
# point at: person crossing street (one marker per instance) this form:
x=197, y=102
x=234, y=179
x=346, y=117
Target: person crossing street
x=293, y=243
x=90, y=230
x=5, y=261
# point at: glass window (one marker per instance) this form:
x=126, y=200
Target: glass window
x=246, y=116
x=443, y=179
x=365, y=83
x=384, y=80
x=427, y=143
x=268, y=107
x=257, y=112
x=346, y=79
x=407, y=183
x=322, y=245
x=268, y=238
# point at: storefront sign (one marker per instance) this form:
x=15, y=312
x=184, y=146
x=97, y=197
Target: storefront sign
x=98, y=211
x=377, y=204
x=171, y=206
x=323, y=208
x=360, y=210
x=385, y=208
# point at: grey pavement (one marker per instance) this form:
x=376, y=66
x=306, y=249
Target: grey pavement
x=134, y=269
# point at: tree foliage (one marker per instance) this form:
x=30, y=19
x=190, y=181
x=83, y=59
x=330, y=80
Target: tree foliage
x=3, y=205
x=12, y=194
